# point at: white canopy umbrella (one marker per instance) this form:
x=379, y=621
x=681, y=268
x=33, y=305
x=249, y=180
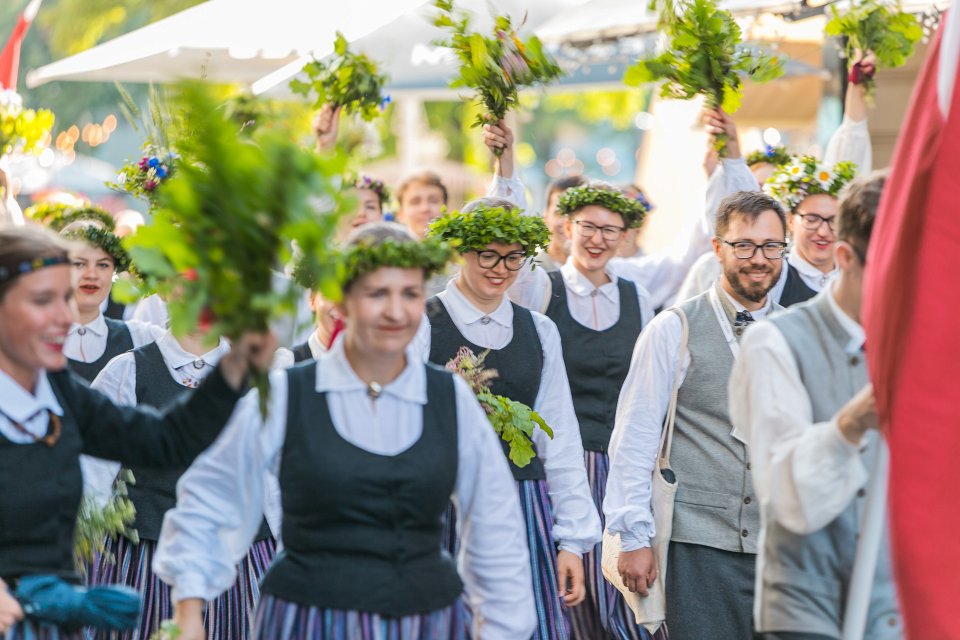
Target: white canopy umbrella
x=225, y=41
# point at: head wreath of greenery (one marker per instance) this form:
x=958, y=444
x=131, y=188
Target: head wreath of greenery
x=377, y=186
x=475, y=230
x=104, y=239
x=577, y=198
x=57, y=216
x=805, y=176
x=776, y=156
x=431, y=255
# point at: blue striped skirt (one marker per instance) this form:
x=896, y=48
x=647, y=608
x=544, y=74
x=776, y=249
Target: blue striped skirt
x=604, y=614
x=278, y=619
x=28, y=630
x=229, y=617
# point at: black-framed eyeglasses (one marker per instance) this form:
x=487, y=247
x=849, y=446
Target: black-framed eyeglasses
x=513, y=261
x=745, y=250
x=609, y=232
x=812, y=221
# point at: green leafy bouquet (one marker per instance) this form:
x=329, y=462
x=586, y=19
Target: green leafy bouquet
x=704, y=55
x=496, y=67
x=95, y=524
x=349, y=80
x=22, y=130
x=228, y=220
x=877, y=26
x=513, y=421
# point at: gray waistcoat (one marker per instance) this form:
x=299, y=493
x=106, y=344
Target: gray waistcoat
x=805, y=578
x=715, y=504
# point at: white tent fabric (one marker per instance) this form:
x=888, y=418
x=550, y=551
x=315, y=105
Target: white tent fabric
x=225, y=41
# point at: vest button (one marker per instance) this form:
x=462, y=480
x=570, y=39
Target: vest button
x=749, y=466
x=854, y=361
x=892, y=621
x=747, y=500
x=861, y=493
x=744, y=533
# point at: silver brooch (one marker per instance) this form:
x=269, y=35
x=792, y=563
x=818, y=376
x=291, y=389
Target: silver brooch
x=374, y=390
x=198, y=364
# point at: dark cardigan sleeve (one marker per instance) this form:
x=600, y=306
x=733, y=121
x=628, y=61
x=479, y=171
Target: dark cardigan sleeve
x=142, y=436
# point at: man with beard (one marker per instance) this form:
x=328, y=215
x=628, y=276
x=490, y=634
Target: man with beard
x=716, y=524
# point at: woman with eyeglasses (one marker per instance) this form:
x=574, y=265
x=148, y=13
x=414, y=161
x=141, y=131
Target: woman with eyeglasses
x=368, y=445
x=496, y=242
x=48, y=417
x=599, y=316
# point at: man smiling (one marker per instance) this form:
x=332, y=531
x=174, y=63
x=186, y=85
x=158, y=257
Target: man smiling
x=716, y=524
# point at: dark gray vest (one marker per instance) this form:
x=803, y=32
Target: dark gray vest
x=363, y=531
x=715, y=505
x=118, y=341
x=795, y=290
x=520, y=365
x=806, y=577
x=155, y=490
x=302, y=352
x=597, y=362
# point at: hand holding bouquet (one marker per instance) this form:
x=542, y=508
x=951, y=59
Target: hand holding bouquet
x=496, y=66
x=704, y=55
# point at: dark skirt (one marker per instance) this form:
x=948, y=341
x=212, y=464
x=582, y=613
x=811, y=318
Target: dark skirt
x=27, y=630
x=278, y=619
x=228, y=617
x=604, y=614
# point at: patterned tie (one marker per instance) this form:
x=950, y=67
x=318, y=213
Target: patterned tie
x=743, y=319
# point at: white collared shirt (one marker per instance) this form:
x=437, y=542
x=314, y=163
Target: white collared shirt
x=218, y=499
x=27, y=409
x=317, y=348
x=597, y=308
x=576, y=521
x=87, y=342
x=634, y=444
x=805, y=473
x=118, y=381
x=811, y=276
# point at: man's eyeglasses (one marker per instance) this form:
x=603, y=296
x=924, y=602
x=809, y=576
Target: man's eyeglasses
x=812, y=221
x=746, y=250
x=588, y=230
x=513, y=261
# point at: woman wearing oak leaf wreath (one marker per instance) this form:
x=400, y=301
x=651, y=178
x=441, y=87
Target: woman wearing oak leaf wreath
x=48, y=417
x=496, y=242
x=368, y=444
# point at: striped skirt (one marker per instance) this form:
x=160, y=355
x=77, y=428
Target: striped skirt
x=229, y=617
x=278, y=619
x=28, y=630
x=604, y=614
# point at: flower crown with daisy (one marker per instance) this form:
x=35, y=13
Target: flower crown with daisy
x=805, y=176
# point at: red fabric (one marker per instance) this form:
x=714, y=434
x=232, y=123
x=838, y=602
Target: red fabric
x=912, y=319
x=337, y=328
x=10, y=56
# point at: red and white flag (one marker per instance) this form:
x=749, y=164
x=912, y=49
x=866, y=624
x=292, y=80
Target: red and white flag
x=10, y=56
x=912, y=319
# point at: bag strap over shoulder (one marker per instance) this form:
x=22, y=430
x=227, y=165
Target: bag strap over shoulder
x=666, y=436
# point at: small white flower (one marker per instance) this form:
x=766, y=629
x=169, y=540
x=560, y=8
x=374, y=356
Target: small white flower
x=823, y=176
x=121, y=178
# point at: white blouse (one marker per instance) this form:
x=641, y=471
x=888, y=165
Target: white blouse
x=576, y=521
x=597, y=308
x=29, y=410
x=118, y=381
x=220, y=496
x=87, y=342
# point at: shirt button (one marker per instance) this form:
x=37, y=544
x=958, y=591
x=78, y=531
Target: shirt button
x=744, y=533
x=747, y=500
x=485, y=320
x=861, y=493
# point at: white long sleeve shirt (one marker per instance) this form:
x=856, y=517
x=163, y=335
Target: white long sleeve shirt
x=118, y=381
x=851, y=143
x=576, y=522
x=595, y=307
x=641, y=410
x=663, y=272
x=805, y=473
x=220, y=496
x=87, y=342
